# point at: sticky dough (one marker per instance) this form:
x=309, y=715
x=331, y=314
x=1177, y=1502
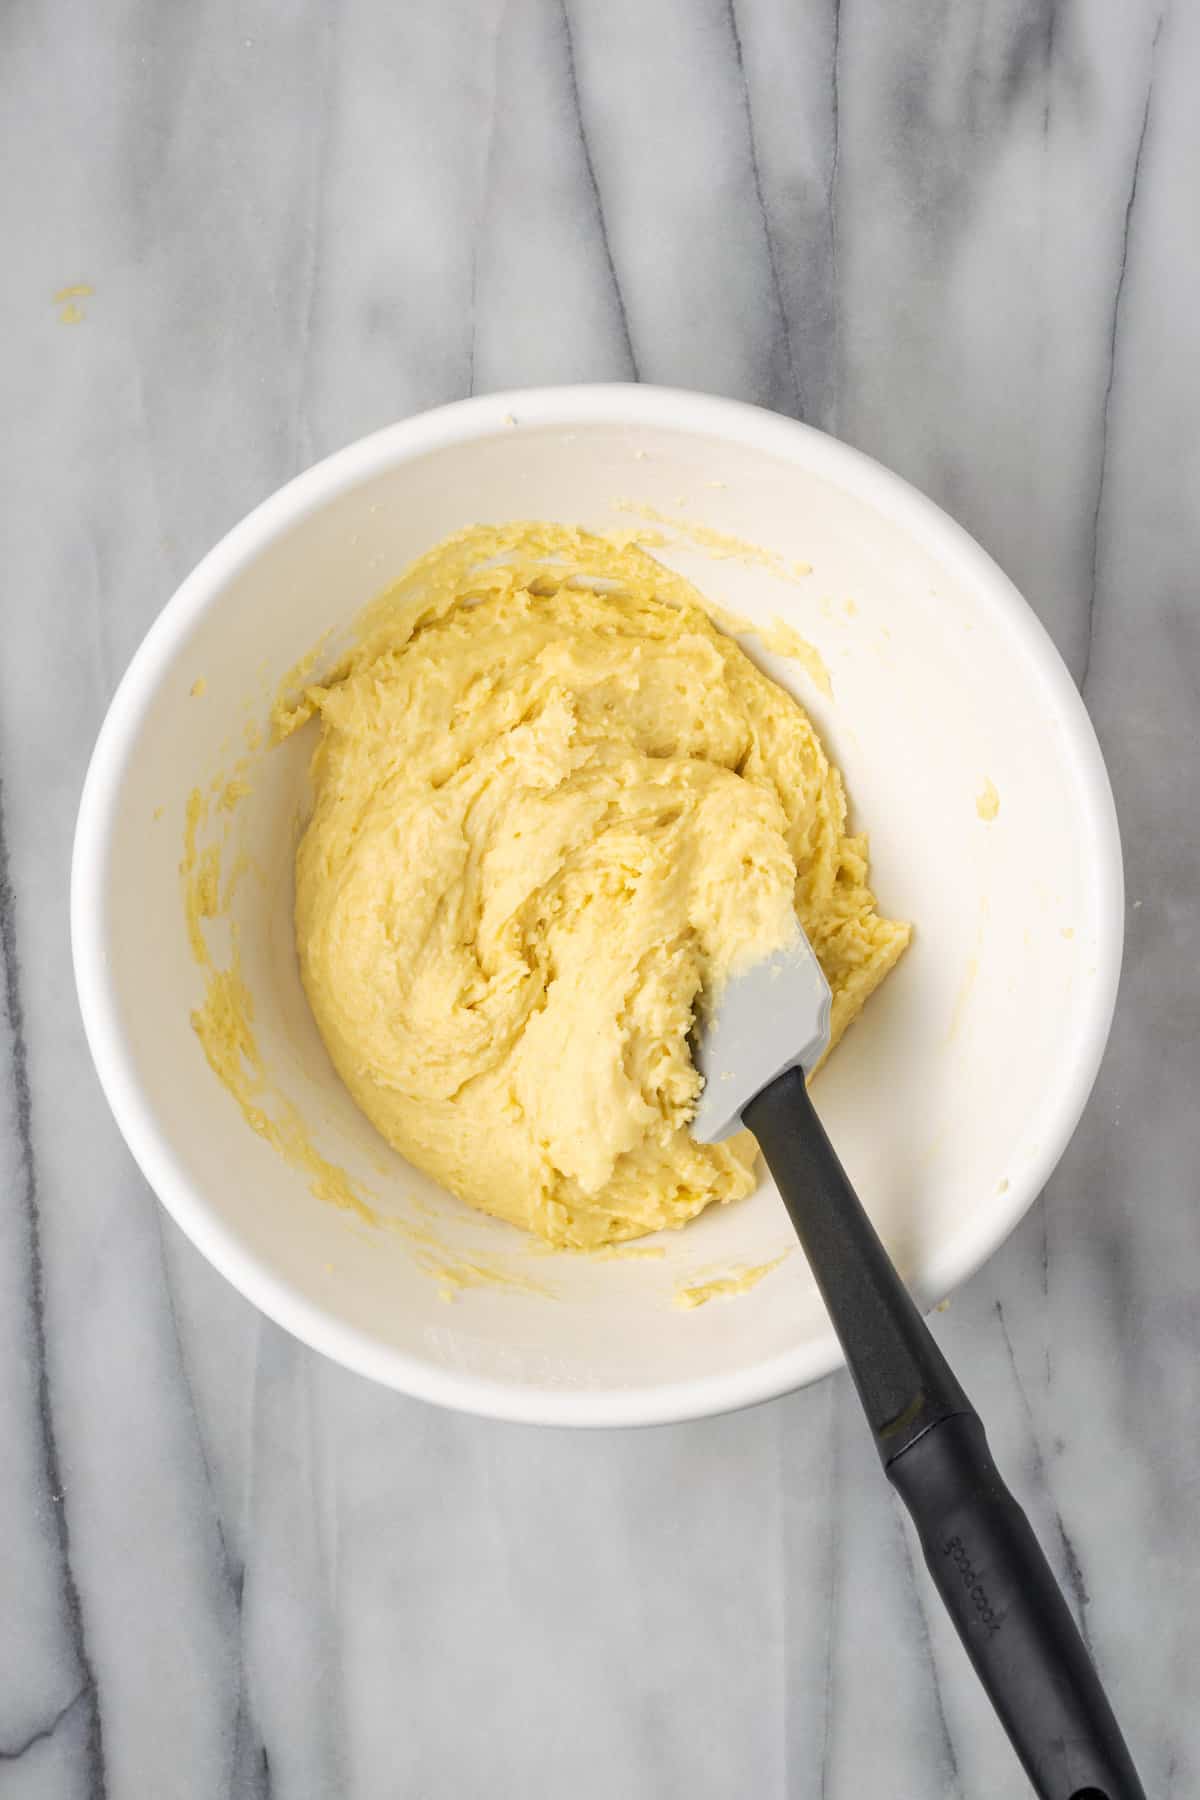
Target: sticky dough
x=554, y=805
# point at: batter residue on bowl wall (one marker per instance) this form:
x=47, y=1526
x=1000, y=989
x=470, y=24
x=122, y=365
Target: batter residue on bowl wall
x=987, y=805
x=224, y=1024
x=725, y=1287
x=224, y=1021
x=554, y=805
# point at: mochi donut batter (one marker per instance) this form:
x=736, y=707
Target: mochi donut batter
x=554, y=806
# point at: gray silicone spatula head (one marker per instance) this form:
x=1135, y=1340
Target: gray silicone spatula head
x=772, y=1017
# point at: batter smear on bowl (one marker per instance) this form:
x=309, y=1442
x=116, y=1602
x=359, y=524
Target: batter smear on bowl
x=554, y=805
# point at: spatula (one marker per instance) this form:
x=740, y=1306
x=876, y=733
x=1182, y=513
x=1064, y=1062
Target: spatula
x=770, y=1027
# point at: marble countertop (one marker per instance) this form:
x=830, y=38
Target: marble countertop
x=962, y=237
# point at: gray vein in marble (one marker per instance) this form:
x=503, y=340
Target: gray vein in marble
x=835, y=65
x=1106, y=403
x=951, y=1780
x=1050, y=29
x=310, y=237
x=594, y=190
x=830, y=1610
x=1072, y=1567
x=772, y=253
x=17, y=1752
x=248, y=1757
x=485, y=188
x=48, y=1446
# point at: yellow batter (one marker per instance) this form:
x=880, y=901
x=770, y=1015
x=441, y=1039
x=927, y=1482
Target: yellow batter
x=553, y=806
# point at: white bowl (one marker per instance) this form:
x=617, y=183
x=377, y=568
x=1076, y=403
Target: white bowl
x=950, y=1101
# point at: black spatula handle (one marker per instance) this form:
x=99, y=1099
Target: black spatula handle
x=982, y=1554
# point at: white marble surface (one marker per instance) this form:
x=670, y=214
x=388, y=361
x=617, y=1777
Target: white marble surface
x=961, y=235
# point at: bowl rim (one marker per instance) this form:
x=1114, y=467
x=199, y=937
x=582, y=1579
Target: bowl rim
x=567, y=407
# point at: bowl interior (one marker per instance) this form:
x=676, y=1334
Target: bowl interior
x=948, y=1101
